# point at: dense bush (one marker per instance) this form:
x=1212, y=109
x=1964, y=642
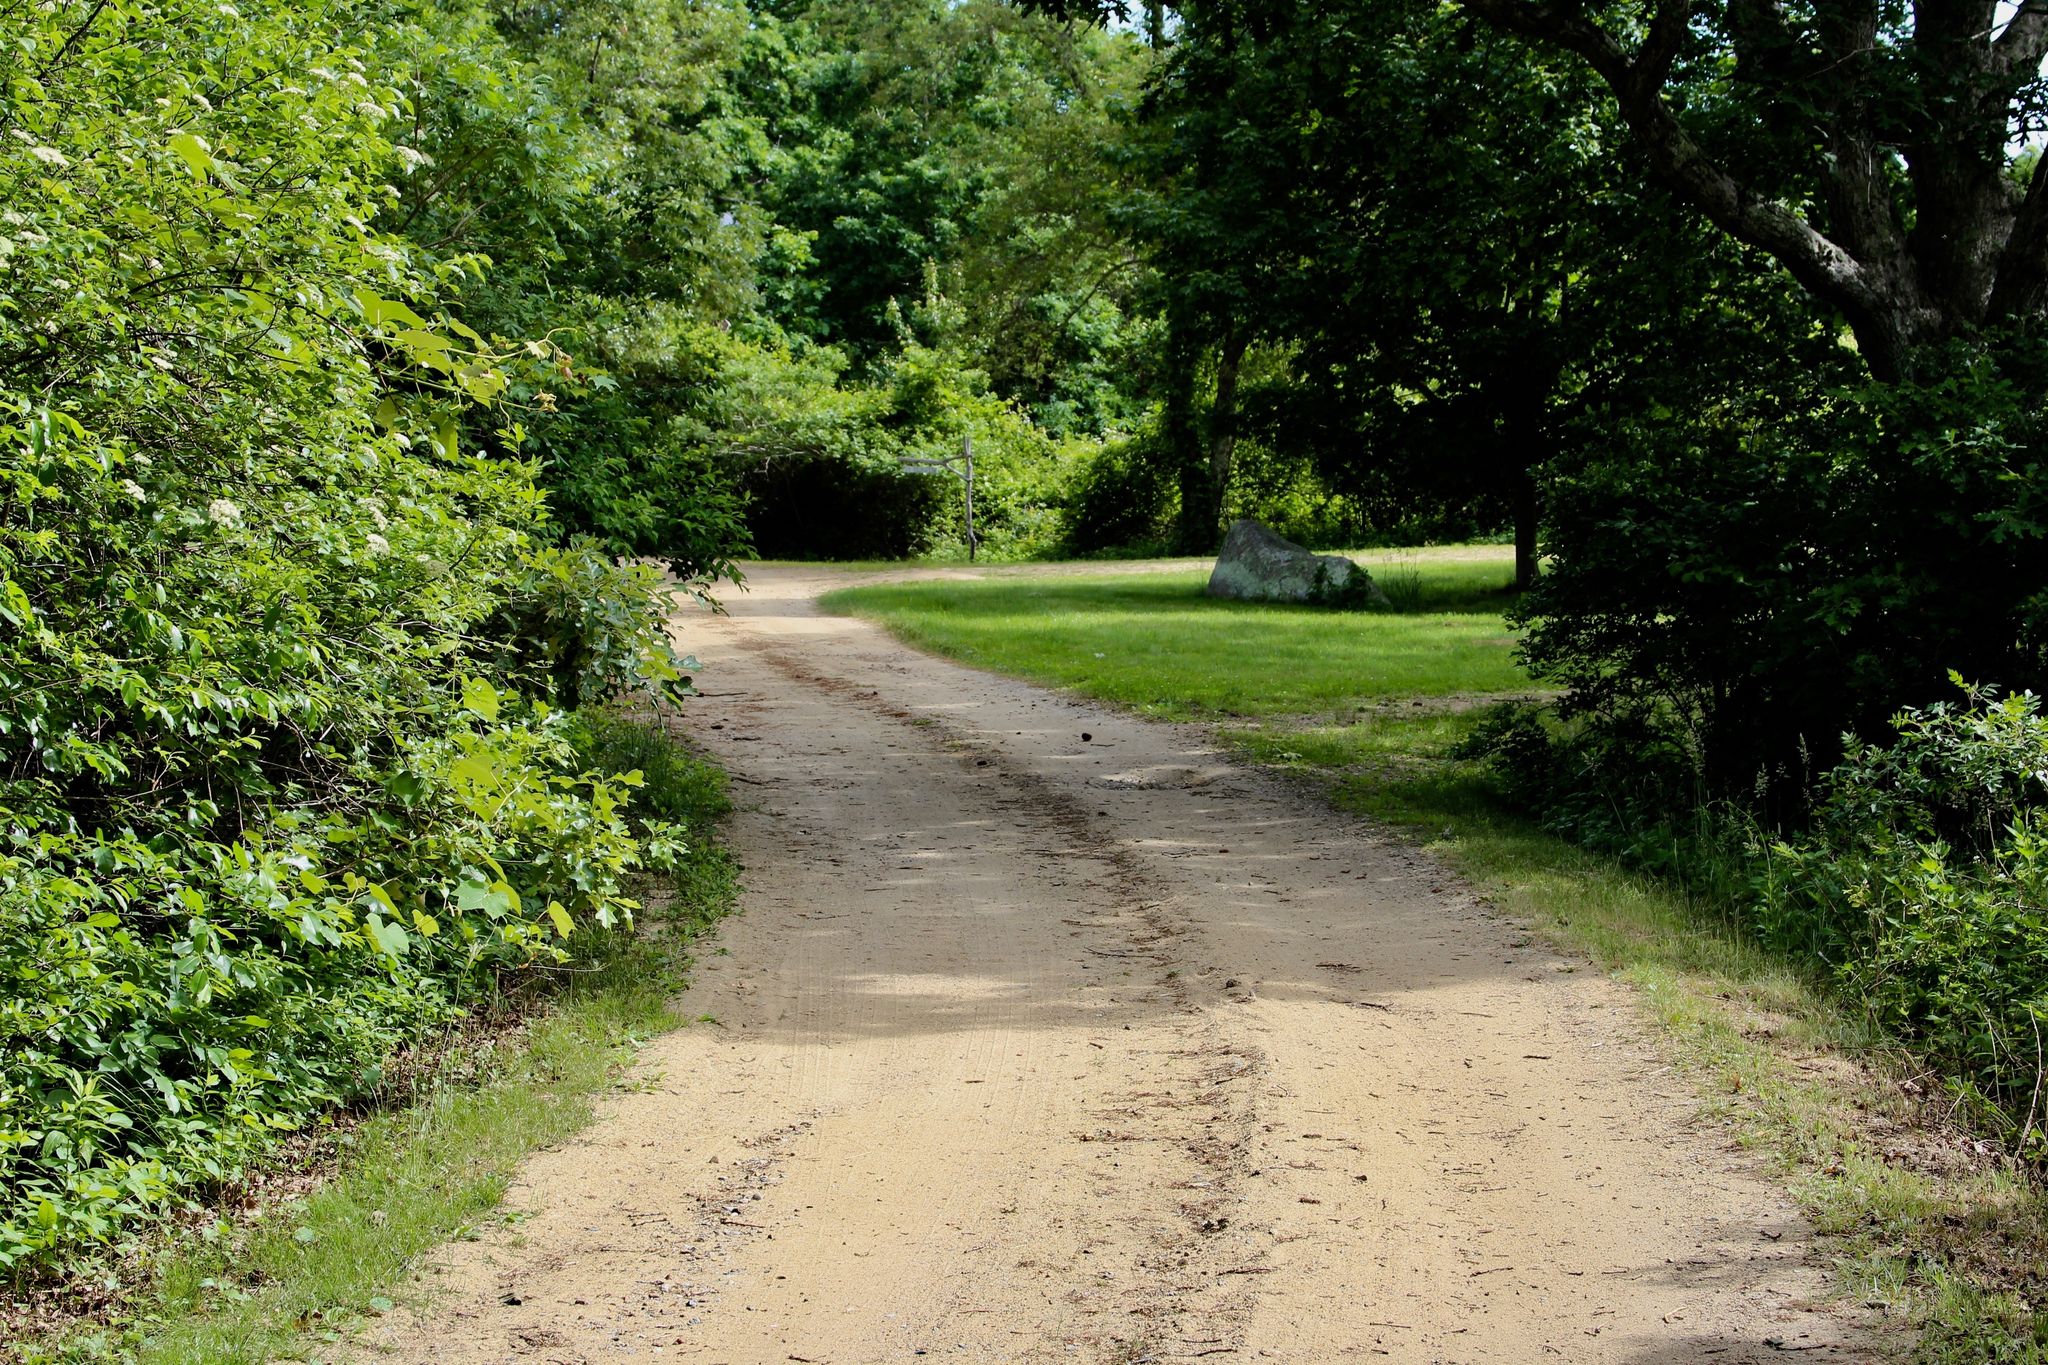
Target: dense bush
x=1625, y=783
x=1916, y=883
x=276, y=789
x=1771, y=570
x=1923, y=887
x=1121, y=497
x=821, y=459
x=935, y=401
x=824, y=507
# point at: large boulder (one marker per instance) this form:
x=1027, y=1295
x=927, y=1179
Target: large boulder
x=1258, y=566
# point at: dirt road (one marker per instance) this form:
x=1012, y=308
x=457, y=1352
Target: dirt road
x=1047, y=1034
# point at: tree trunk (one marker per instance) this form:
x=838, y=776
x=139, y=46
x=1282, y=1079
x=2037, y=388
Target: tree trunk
x=1223, y=432
x=1182, y=439
x=1155, y=23
x=1527, y=510
x=1523, y=388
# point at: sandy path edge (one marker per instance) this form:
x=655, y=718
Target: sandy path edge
x=1032, y=1047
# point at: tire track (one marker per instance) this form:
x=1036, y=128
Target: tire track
x=1047, y=1034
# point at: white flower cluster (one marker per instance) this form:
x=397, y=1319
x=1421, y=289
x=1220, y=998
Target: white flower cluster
x=223, y=513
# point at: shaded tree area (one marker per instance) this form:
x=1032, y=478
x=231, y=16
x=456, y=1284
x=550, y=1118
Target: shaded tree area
x=757, y=233
x=1733, y=309
x=1429, y=223
x=1732, y=312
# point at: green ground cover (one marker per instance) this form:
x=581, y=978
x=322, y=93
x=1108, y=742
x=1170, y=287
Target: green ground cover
x=1152, y=641
x=1370, y=707
x=521, y=1075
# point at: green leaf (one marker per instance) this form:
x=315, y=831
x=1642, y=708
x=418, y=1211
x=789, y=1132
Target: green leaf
x=563, y=924
x=382, y=312
x=480, y=698
x=388, y=938
x=193, y=151
x=15, y=606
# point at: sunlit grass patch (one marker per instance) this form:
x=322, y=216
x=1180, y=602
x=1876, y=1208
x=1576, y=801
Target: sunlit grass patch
x=1152, y=641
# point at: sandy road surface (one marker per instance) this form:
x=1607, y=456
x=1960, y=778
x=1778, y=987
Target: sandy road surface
x=1031, y=1047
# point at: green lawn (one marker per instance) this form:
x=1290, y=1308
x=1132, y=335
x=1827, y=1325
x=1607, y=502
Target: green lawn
x=1947, y=1254
x=1152, y=641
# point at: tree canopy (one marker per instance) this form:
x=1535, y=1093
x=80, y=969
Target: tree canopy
x=372, y=373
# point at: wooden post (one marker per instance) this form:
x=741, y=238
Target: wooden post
x=967, y=454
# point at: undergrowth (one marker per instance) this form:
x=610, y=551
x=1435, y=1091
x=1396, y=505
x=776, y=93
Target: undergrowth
x=302, y=1244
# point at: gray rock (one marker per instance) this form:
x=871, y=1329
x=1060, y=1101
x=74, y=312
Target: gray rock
x=1258, y=566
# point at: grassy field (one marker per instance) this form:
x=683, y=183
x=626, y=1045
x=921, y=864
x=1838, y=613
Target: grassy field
x=1153, y=642
x=1947, y=1247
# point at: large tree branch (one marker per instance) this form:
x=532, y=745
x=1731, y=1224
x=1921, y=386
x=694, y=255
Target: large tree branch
x=1854, y=176
x=2020, y=50
x=1652, y=65
x=2022, y=286
x=1816, y=261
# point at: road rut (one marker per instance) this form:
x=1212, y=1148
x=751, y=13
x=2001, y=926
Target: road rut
x=1049, y=1034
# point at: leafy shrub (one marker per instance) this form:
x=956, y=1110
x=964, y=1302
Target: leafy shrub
x=676, y=787
x=1918, y=887
x=591, y=627
x=1775, y=568
x=276, y=789
x=1626, y=784
x=1923, y=887
x=164, y=1013
x=1119, y=498
x=935, y=399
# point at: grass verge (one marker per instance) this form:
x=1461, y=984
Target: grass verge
x=289, y=1282
x=1925, y=1225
